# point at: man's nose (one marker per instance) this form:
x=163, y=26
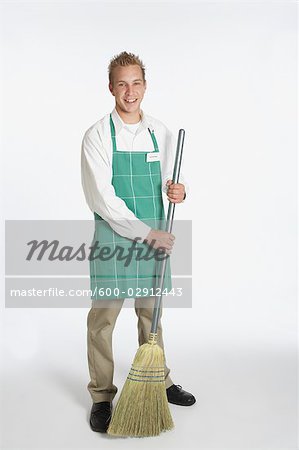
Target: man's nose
x=129, y=89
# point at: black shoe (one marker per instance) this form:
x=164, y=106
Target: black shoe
x=100, y=416
x=177, y=396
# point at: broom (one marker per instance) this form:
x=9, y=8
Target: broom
x=142, y=409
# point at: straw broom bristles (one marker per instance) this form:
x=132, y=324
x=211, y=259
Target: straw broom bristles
x=142, y=409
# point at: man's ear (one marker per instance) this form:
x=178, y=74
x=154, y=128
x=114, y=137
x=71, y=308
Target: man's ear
x=111, y=88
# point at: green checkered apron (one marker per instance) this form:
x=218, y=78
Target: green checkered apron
x=138, y=183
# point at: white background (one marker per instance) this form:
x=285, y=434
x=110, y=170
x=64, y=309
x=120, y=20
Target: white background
x=226, y=72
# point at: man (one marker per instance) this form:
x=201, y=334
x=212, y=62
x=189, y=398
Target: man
x=127, y=161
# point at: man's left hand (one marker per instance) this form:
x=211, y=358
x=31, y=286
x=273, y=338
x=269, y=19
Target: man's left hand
x=175, y=192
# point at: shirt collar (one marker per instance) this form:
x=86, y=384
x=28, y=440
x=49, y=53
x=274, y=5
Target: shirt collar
x=119, y=123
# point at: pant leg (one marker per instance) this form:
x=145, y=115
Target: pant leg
x=144, y=310
x=100, y=325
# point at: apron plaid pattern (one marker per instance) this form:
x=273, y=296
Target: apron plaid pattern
x=138, y=183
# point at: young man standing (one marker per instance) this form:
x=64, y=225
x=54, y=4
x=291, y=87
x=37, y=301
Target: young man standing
x=127, y=161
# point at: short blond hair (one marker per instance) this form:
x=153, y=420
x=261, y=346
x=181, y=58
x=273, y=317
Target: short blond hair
x=125, y=59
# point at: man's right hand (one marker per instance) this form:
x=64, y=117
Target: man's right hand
x=160, y=239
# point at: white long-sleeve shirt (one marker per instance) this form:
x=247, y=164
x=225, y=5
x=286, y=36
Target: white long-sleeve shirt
x=96, y=168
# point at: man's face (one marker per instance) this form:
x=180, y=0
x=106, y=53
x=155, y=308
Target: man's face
x=128, y=87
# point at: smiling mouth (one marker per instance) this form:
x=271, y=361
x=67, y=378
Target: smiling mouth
x=131, y=101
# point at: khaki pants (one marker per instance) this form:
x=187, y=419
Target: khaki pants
x=100, y=324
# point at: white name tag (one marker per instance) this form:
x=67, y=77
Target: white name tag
x=153, y=156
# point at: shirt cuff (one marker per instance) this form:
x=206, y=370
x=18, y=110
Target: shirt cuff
x=141, y=230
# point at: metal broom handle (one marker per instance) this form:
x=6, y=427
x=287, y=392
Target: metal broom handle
x=169, y=222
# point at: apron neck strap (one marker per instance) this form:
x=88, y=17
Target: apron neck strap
x=154, y=140
x=112, y=132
